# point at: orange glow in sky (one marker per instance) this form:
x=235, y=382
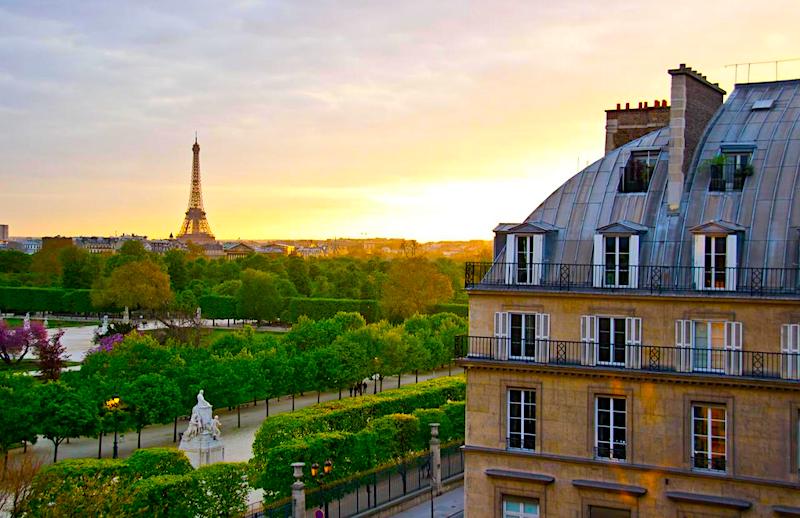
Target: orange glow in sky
x=425, y=120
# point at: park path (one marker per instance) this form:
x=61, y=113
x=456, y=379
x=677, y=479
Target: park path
x=238, y=440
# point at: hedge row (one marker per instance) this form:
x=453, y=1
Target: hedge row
x=461, y=310
x=55, y=300
x=353, y=414
x=383, y=440
x=317, y=309
x=152, y=482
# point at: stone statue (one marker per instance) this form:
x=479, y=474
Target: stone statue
x=198, y=314
x=201, y=441
x=104, y=325
x=26, y=322
x=45, y=321
x=126, y=317
x=216, y=426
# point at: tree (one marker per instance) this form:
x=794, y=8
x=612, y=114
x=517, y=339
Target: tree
x=16, y=483
x=62, y=412
x=51, y=356
x=413, y=285
x=17, y=422
x=135, y=285
x=176, y=268
x=15, y=344
x=151, y=398
x=297, y=270
x=259, y=297
x=79, y=268
x=14, y=261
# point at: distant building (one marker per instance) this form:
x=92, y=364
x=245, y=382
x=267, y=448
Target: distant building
x=97, y=245
x=160, y=246
x=56, y=242
x=32, y=246
x=310, y=251
x=238, y=250
x=634, y=346
x=275, y=249
x=3, y=232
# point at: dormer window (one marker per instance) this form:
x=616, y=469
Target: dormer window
x=730, y=168
x=715, y=256
x=524, y=253
x=616, y=255
x=637, y=172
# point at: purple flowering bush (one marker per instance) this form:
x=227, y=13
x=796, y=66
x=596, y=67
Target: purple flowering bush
x=107, y=343
x=15, y=344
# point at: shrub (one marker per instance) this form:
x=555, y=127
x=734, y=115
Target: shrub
x=426, y=416
x=461, y=310
x=317, y=308
x=150, y=462
x=218, y=306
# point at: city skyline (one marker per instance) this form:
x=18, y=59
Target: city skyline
x=423, y=122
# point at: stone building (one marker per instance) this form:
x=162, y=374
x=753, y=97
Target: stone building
x=634, y=347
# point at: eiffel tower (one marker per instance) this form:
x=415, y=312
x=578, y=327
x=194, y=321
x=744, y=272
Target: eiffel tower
x=195, y=226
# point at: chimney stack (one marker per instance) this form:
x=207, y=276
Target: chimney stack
x=622, y=126
x=694, y=101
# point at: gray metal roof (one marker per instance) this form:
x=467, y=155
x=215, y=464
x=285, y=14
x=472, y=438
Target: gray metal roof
x=766, y=211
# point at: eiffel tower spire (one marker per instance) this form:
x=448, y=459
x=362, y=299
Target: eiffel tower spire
x=195, y=225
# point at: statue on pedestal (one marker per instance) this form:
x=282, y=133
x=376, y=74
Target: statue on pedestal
x=104, y=325
x=202, y=441
x=26, y=322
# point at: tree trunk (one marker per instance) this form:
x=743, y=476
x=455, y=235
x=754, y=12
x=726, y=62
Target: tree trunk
x=292, y=402
x=138, y=438
x=175, y=430
x=267, y=405
x=318, y=392
x=100, y=445
x=238, y=416
x=416, y=376
x=55, y=452
x=340, y=392
x=255, y=401
x=381, y=383
x=399, y=377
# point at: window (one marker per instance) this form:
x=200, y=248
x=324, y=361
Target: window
x=522, y=419
x=617, y=263
x=611, y=341
x=523, y=258
x=520, y=508
x=709, y=439
x=709, y=341
x=714, y=263
x=610, y=428
x=608, y=512
x=637, y=172
x=790, y=351
x=729, y=170
x=523, y=335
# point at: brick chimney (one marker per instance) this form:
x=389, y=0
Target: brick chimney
x=694, y=101
x=624, y=125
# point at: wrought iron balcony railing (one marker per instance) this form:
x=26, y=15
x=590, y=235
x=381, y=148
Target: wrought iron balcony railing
x=716, y=362
x=653, y=279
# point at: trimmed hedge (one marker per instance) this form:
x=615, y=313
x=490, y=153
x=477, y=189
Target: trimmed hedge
x=54, y=300
x=461, y=310
x=318, y=309
x=353, y=414
x=218, y=306
x=152, y=482
x=357, y=434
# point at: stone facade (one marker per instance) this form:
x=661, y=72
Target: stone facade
x=624, y=125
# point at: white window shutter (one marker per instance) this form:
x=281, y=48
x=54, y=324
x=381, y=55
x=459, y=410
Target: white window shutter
x=790, y=349
x=699, y=260
x=501, y=334
x=683, y=343
x=537, y=258
x=634, y=261
x=730, y=262
x=589, y=339
x=542, y=337
x=510, y=259
x=598, y=261
x=633, y=342
x=732, y=346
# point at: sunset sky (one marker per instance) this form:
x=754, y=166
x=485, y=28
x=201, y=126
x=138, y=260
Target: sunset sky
x=420, y=119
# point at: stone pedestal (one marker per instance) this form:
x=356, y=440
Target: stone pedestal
x=203, y=449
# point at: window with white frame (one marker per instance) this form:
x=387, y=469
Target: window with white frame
x=715, y=262
x=611, y=437
x=790, y=351
x=709, y=346
x=616, y=261
x=611, y=341
x=522, y=419
x=524, y=256
x=709, y=437
x=515, y=507
x=522, y=336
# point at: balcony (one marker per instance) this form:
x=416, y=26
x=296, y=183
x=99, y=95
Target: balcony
x=646, y=358
x=728, y=177
x=772, y=282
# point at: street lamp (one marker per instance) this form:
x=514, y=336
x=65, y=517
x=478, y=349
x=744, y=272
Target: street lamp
x=319, y=476
x=113, y=406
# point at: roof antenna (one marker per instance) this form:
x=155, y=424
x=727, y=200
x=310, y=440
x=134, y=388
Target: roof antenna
x=195, y=137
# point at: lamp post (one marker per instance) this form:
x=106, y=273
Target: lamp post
x=113, y=406
x=319, y=476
